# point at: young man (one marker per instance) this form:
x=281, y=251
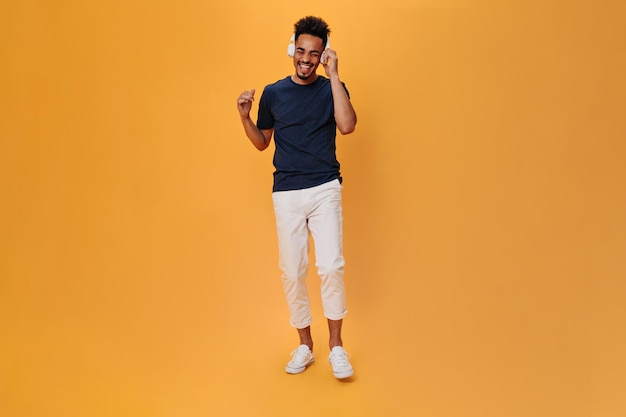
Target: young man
x=303, y=112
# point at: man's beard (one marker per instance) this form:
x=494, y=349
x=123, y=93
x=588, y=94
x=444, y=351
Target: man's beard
x=305, y=75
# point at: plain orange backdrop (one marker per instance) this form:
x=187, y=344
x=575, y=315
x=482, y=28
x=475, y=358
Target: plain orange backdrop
x=484, y=201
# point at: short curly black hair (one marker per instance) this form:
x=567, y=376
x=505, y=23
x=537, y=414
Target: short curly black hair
x=312, y=25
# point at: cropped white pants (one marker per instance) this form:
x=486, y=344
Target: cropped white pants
x=318, y=210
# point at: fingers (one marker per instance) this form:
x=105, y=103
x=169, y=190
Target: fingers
x=244, y=102
x=246, y=97
x=325, y=57
x=330, y=62
x=329, y=56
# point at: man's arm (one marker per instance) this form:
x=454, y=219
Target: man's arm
x=259, y=138
x=345, y=116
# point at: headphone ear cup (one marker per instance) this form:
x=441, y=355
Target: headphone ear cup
x=327, y=43
x=291, y=49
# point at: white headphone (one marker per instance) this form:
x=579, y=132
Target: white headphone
x=291, y=49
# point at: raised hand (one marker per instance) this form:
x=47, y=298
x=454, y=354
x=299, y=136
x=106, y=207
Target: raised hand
x=329, y=62
x=244, y=103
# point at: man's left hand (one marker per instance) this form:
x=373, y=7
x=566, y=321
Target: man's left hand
x=329, y=62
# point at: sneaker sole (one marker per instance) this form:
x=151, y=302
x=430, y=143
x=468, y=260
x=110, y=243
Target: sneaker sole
x=344, y=375
x=294, y=371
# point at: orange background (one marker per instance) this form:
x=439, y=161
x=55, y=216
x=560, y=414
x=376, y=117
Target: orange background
x=484, y=203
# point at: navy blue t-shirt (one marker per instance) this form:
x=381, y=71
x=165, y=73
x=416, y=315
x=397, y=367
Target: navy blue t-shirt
x=304, y=132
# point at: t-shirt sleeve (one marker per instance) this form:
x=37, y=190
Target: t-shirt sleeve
x=265, y=119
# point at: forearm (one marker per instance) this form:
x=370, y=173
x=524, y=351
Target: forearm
x=345, y=116
x=256, y=136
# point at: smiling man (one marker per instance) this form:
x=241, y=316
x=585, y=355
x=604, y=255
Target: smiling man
x=303, y=113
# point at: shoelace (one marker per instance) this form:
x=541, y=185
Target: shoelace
x=299, y=355
x=339, y=359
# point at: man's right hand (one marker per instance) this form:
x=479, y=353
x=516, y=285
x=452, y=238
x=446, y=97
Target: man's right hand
x=244, y=103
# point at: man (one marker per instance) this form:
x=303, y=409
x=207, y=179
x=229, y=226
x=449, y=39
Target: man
x=303, y=112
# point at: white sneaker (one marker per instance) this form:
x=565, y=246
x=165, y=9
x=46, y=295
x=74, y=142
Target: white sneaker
x=300, y=359
x=340, y=361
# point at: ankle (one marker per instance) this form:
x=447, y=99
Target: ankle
x=334, y=343
x=308, y=343
x=305, y=337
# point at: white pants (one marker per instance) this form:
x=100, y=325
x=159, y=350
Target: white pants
x=318, y=210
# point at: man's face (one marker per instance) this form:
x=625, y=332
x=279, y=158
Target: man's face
x=309, y=50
